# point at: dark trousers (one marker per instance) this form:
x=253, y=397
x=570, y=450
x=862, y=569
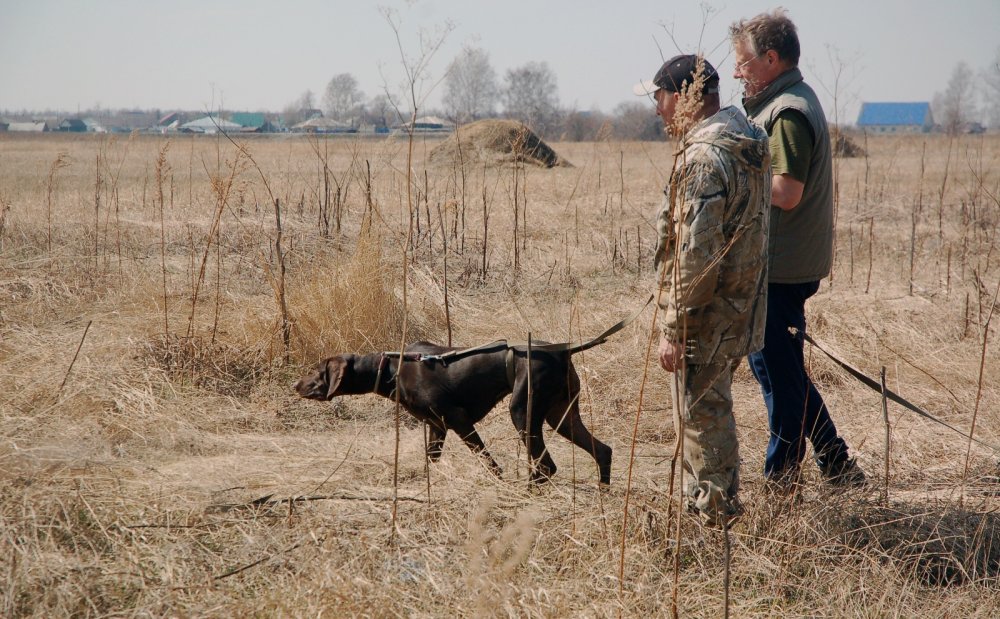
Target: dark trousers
x=795, y=409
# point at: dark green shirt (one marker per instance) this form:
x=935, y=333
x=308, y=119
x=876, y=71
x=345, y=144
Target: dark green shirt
x=791, y=142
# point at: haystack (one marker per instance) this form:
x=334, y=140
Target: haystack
x=844, y=146
x=495, y=142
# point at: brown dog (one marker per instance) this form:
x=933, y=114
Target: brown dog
x=456, y=394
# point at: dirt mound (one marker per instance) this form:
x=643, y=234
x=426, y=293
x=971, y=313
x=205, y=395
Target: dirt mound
x=844, y=146
x=495, y=142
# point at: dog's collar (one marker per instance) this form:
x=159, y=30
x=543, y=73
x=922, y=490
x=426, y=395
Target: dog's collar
x=385, y=367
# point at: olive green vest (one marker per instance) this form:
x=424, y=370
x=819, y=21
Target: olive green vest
x=800, y=245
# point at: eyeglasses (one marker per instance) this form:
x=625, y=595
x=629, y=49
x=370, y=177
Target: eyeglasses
x=740, y=66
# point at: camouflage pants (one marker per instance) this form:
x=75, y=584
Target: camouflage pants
x=704, y=418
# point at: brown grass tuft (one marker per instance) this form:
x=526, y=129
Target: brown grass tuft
x=351, y=307
x=207, y=364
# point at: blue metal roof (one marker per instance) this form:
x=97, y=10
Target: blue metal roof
x=895, y=114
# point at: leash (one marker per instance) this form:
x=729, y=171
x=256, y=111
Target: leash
x=877, y=387
x=454, y=355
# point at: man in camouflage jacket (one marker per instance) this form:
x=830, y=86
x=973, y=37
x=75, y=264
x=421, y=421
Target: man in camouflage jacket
x=711, y=260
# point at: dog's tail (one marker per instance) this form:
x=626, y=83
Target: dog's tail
x=569, y=348
x=573, y=348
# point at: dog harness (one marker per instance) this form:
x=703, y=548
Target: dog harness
x=511, y=350
x=383, y=363
x=525, y=347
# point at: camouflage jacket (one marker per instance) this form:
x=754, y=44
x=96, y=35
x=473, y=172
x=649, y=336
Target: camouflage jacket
x=711, y=258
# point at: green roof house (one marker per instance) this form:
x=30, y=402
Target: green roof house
x=252, y=122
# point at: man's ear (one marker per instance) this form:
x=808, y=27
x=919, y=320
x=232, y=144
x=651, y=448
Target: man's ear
x=335, y=367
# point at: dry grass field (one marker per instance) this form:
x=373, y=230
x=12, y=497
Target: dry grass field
x=154, y=460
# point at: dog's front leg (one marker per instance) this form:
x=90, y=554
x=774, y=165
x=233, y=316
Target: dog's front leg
x=435, y=442
x=471, y=438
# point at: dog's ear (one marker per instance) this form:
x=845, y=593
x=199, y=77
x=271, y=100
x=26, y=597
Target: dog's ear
x=335, y=367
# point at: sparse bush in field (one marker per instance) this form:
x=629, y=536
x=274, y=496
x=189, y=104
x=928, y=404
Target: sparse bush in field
x=350, y=307
x=844, y=146
x=207, y=364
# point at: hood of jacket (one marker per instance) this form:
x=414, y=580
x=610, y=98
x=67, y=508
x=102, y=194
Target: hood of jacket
x=729, y=130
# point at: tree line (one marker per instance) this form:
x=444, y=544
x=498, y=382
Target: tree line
x=473, y=91
x=970, y=98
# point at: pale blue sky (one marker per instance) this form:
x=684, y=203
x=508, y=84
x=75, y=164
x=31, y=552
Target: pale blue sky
x=249, y=55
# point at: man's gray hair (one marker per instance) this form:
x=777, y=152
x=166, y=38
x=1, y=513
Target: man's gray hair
x=769, y=31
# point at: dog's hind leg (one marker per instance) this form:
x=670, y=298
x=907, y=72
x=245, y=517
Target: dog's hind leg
x=564, y=417
x=541, y=463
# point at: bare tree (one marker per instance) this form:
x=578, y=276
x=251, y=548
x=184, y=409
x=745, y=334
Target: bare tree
x=470, y=89
x=297, y=111
x=634, y=120
x=990, y=78
x=307, y=100
x=531, y=95
x=583, y=126
x=380, y=111
x=956, y=106
x=342, y=99
x=839, y=86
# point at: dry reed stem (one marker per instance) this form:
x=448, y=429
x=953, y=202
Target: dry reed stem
x=222, y=187
x=415, y=71
x=161, y=168
x=888, y=441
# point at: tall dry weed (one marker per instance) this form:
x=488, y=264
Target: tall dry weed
x=4, y=210
x=352, y=306
x=493, y=558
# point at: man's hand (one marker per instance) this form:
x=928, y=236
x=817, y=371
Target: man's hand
x=671, y=354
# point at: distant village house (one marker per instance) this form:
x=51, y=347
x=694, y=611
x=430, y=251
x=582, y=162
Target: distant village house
x=319, y=124
x=428, y=124
x=75, y=125
x=209, y=124
x=34, y=126
x=252, y=122
x=896, y=117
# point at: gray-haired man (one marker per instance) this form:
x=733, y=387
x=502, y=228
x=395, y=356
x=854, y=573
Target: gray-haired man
x=800, y=251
